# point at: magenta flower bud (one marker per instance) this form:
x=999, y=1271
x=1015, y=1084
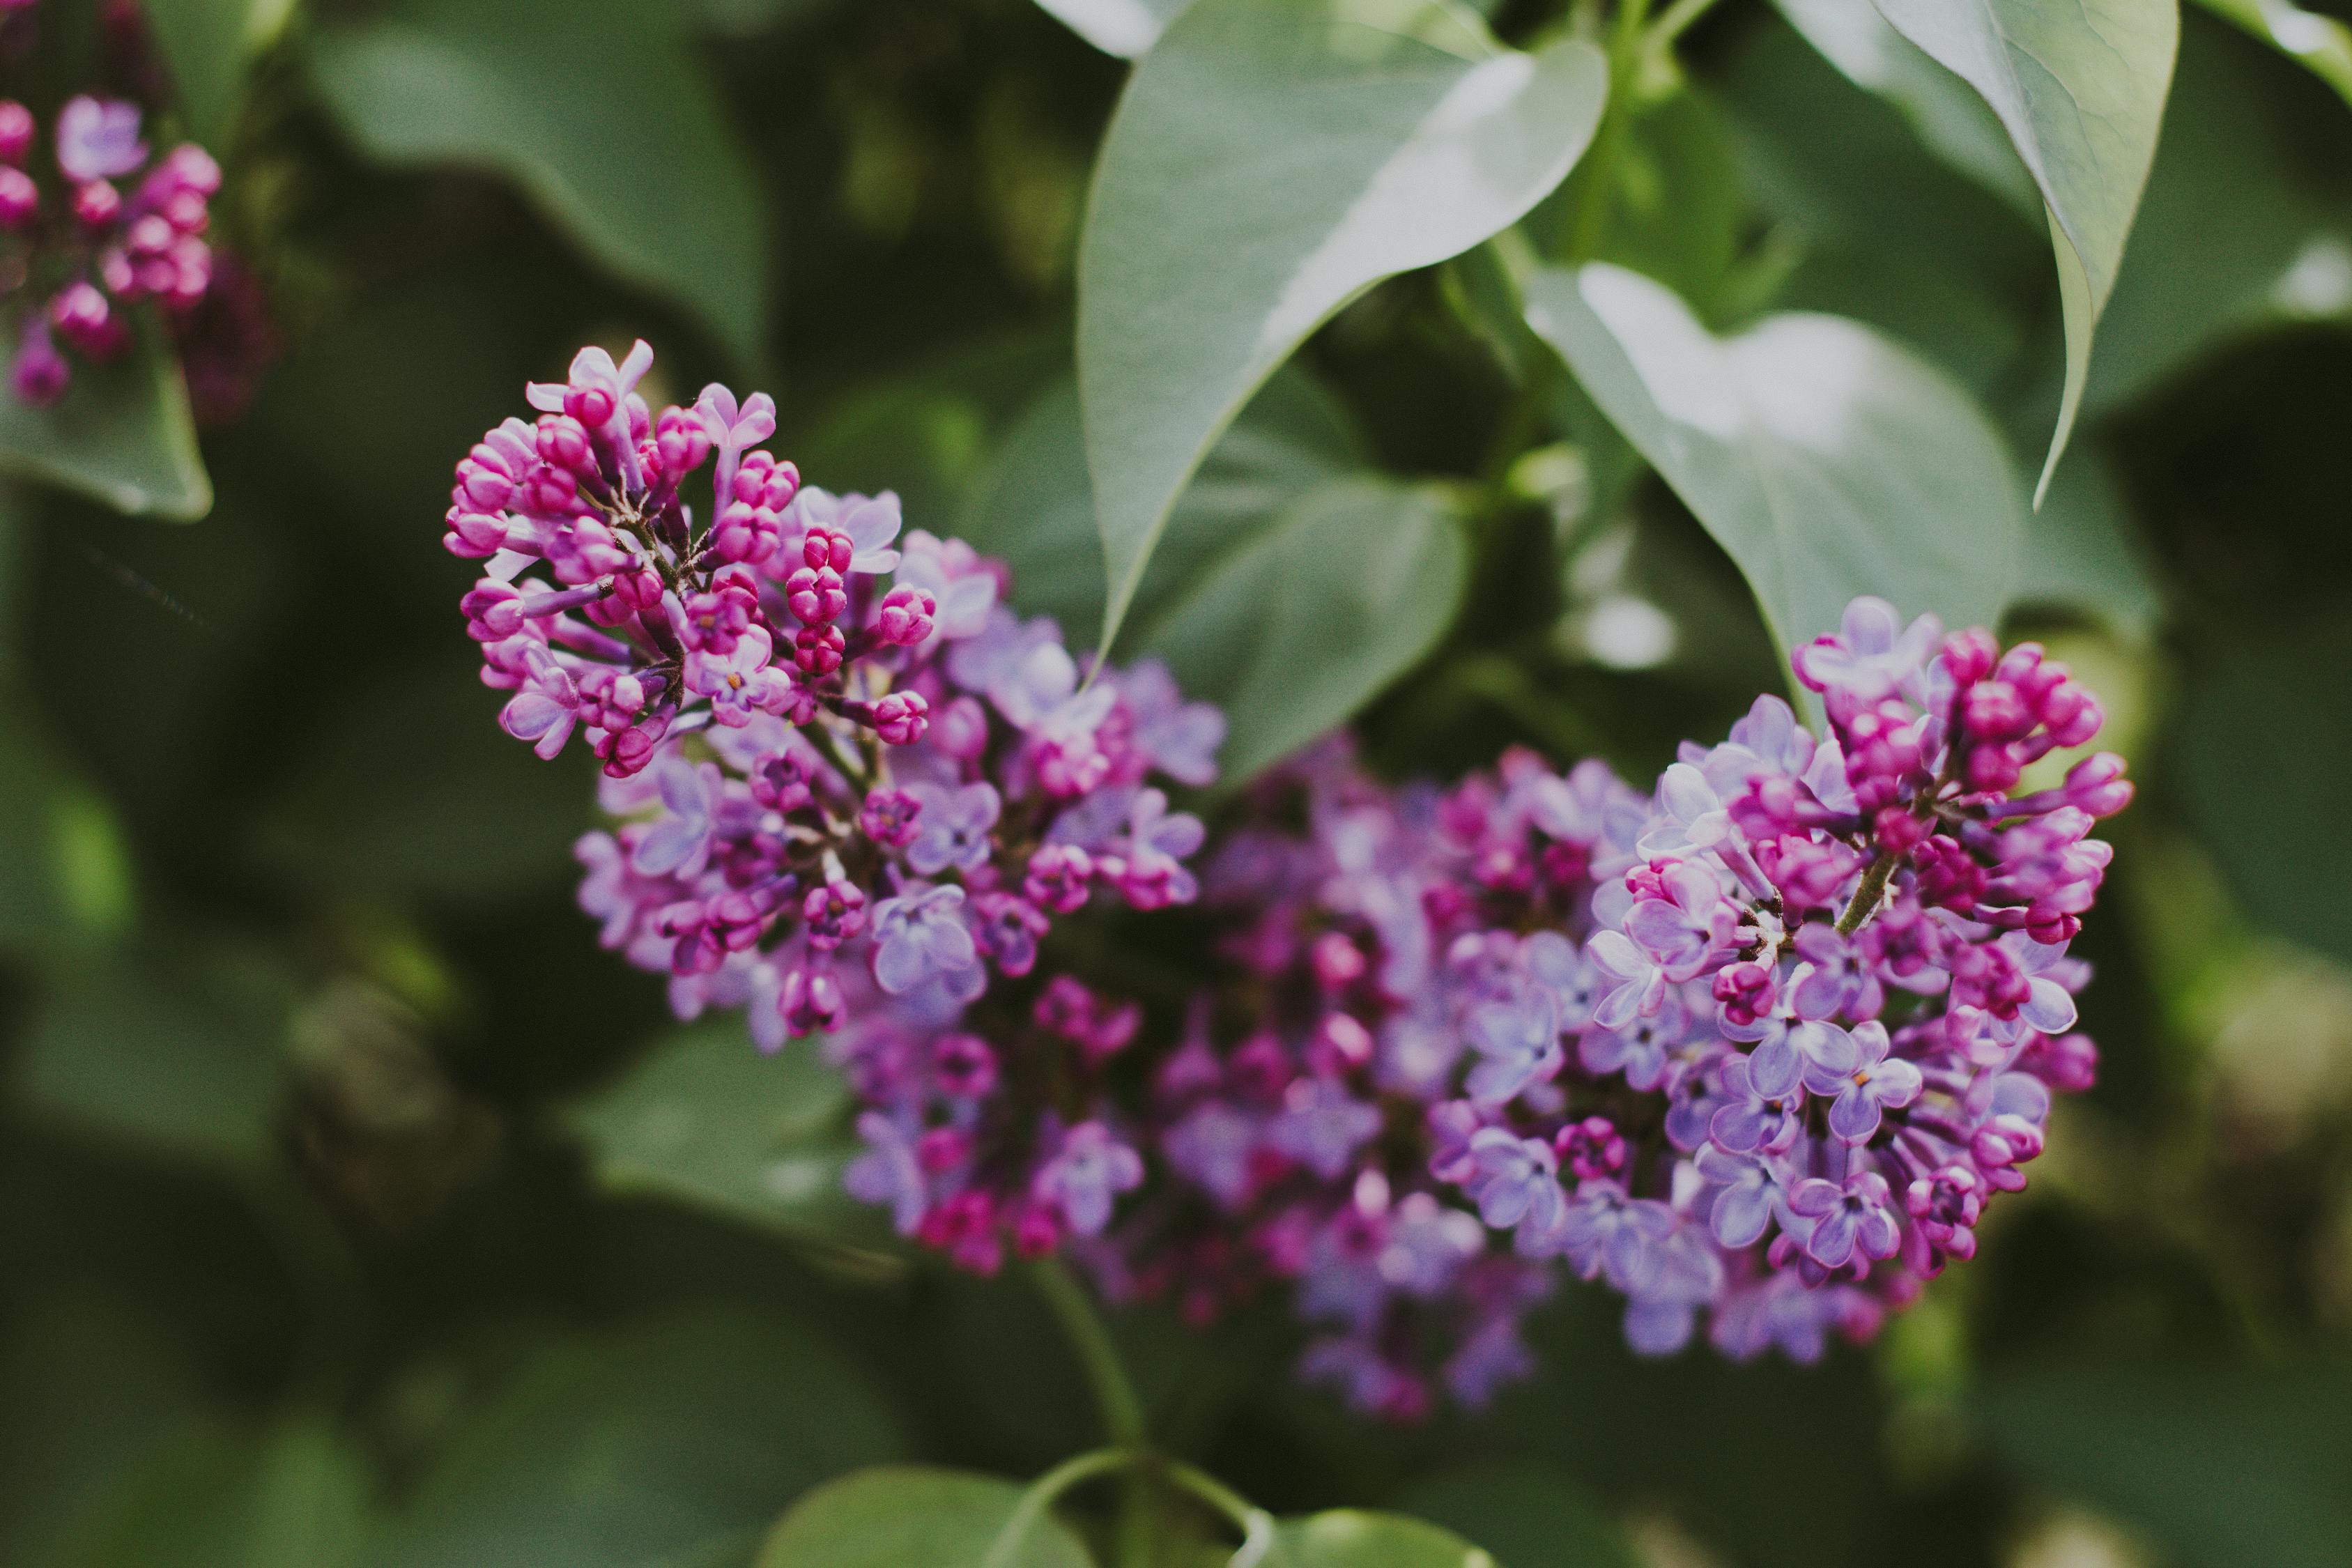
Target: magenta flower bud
x=1898, y=831
x=2095, y=787
x=2083, y=719
x=562, y=442
x=16, y=132
x=889, y=817
x=20, y=199
x=905, y=617
x=188, y=167
x=1337, y=960
x=1969, y=656
x=96, y=203
x=1993, y=768
x=817, y=650
x=682, y=440
x=814, y=595
x=591, y=405
x=40, y=374
x=1746, y=991
x=834, y=914
x=1059, y=878
x=823, y=548
x=744, y=533
x=1037, y=1232
x=1995, y=711
x=810, y=1001
x=901, y=716
x=84, y=318
x=1340, y=1044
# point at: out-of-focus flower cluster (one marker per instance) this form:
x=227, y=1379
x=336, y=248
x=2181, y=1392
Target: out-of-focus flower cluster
x=119, y=227
x=850, y=783
x=1755, y=1047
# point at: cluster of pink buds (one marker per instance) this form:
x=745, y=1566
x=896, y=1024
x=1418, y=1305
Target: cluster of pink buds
x=834, y=794
x=86, y=253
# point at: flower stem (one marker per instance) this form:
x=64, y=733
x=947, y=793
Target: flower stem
x=1866, y=896
x=1616, y=128
x=1115, y=1396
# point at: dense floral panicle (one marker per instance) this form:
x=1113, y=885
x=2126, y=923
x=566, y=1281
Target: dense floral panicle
x=119, y=227
x=1755, y=1050
x=835, y=799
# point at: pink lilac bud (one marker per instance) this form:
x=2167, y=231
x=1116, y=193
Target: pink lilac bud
x=810, y=1002
x=39, y=372
x=833, y=914
x=17, y=128
x=20, y=199
x=818, y=650
x=901, y=716
x=905, y=617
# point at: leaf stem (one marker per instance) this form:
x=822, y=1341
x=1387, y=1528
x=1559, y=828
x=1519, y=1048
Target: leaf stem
x=1122, y=1411
x=1256, y=1524
x=1609, y=146
x=1042, y=1493
x=1672, y=23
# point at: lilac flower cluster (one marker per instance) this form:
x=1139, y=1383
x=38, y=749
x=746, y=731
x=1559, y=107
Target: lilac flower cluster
x=837, y=797
x=1756, y=1047
x=88, y=255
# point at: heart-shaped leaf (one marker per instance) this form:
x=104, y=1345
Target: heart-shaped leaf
x=597, y=109
x=1301, y=623
x=1356, y=1538
x=705, y=1119
x=207, y=43
x=1269, y=159
x=907, y=1516
x=1825, y=460
x=2080, y=87
x=121, y=435
x=1122, y=27
x=1955, y=122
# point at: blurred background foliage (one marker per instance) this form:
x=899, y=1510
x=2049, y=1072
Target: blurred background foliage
x=356, y=1210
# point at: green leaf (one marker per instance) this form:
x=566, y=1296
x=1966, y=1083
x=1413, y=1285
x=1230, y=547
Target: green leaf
x=2322, y=43
x=1825, y=460
x=2232, y=237
x=121, y=435
x=295, y=1498
x=705, y=1119
x=64, y=868
x=207, y=43
x=2262, y=748
x=1123, y=28
x=1530, y=1515
x=2080, y=87
x=641, y=1447
x=905, y=1516
x=1956, y=123
x=1299, y=625
x=1034, y=509
x=1269, y=159
x=178, y=1054
x=597, y=109
x=1356, y=1538
x=2221, y=1466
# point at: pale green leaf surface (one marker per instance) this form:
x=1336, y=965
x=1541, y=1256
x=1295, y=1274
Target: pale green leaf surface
x=642, y=1446
x=917, y=1517
x=207, y=43
x=1957, y=124
x=1302, y=623
x=1359, y=1538
x=1123, y=28
x=2080, y=86
x=597, y=109
x=121, y=435
x=1269, y=159
x=1527, y=1513
x=705, y=1119
x=1824, y=459
x=2322, y=43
